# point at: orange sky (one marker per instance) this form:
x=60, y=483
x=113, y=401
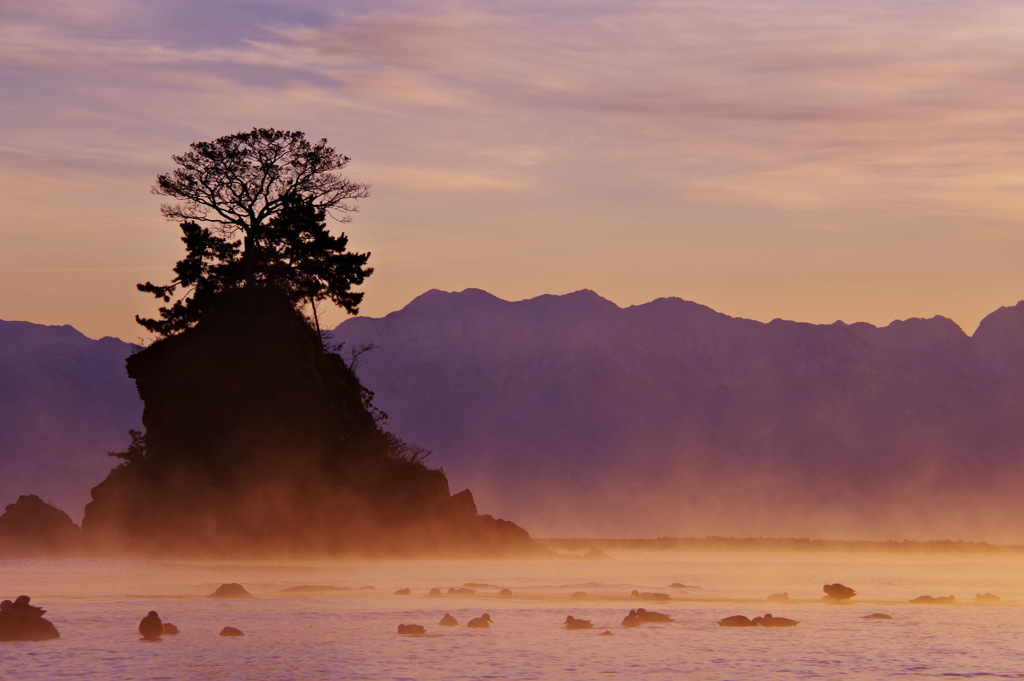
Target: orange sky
x=813, y=160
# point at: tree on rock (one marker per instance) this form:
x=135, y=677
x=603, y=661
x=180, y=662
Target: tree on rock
x=253, y=208
x=258, y=440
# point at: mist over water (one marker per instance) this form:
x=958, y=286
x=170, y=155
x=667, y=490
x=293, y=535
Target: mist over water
x=350, y=633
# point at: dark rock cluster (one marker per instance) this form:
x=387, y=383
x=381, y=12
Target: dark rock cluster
x=22, y=621
x=31, y=527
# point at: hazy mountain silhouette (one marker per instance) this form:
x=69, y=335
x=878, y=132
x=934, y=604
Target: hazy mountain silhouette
x=575, y=416
x=65, y=401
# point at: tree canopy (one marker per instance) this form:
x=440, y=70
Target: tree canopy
x=253, y=208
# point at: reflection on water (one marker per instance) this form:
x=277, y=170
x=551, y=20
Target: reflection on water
x=350, y=632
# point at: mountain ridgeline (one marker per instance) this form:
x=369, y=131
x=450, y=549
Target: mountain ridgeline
x=65, y=401
x=577, y=417
x=580, y=418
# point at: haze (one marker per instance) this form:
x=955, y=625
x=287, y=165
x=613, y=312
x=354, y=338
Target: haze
x=808, y=160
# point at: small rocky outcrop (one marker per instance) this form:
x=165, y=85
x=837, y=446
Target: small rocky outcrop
x=838, y=592
x=934, y=600
x=260, y=442
x=231, y=590
x=31, y=527
x=21, y=621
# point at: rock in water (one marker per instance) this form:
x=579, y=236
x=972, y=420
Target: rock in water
x=839, y=592
x=412, y=629
x=231, y=590
x=481, y=622
x=151, y=627
x=31, y=527
x=260, y=442
x=231, y=631
x=20, y=621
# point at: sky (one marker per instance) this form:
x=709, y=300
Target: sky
x=813, y=160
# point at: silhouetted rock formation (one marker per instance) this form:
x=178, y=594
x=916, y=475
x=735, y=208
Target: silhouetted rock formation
x=31, y=527
x=260, y=442
x=573, y=623
x=935, y=600
x=151, y=627
x=482, y=622
x=411, y=629
x=649, y=617
x=231, y=590
x=20, y=621
x=839, y=592
x=737, y=621
x=770, y=620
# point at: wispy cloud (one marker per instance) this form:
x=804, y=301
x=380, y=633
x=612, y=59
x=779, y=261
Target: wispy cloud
x=588, y=111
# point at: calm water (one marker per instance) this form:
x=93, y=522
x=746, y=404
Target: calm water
x=351, y=634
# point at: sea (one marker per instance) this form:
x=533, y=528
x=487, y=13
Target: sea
x=342, y=623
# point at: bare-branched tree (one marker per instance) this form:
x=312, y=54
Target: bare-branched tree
x=253, y=210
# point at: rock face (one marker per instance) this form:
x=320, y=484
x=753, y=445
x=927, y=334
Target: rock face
x=260, y=442
x=31, y=527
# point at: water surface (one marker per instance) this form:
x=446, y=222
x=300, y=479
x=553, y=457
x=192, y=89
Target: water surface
x=350, y=633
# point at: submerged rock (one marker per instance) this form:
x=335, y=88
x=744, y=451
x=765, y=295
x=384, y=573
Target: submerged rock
x=231, y=631
x=935, y=600
x=648, y=596
x=311, y=588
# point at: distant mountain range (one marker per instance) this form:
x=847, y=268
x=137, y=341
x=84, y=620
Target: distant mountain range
x=572, y=416
x=65, y=401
